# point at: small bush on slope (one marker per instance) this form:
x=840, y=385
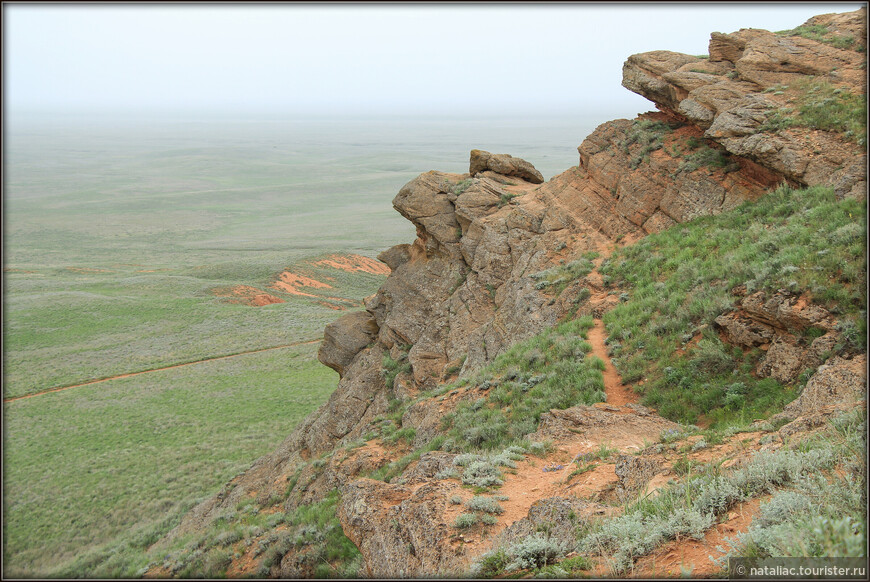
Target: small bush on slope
x=689, y=508
x=821, y=515
x=680, y=281
x=484, y=504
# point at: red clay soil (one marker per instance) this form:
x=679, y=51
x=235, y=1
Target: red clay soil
x=290, y=283
x=245, y=295
x=353, y=263
x=689, y=555
x=121, y=376
x=618, y=394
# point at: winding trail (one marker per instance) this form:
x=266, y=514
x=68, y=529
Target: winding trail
x=130, y=374
x=618, y=394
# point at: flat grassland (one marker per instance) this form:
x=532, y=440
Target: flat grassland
x=137, y=246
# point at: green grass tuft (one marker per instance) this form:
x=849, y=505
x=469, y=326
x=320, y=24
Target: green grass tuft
x=820, y=33
x=649, y=135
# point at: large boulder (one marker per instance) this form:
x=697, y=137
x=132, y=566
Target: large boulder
x=839, y=382
x=344, y=338
x=400, y=531
x=504, y=164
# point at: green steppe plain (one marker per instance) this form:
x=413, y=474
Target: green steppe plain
x=115, y=233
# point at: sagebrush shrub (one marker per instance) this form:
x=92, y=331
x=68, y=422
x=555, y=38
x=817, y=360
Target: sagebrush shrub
x=485, y=504
x=481, y=474
x=533, y=552
x=465, y=520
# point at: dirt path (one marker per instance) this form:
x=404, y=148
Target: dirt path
x=121, y=376
x=617, y=393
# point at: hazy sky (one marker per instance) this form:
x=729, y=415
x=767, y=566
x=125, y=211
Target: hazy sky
x=333, y=58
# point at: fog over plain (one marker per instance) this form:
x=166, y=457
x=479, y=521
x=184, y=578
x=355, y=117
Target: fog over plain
x=334, y=59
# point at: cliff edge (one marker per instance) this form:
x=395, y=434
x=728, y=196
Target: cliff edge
x=503, y=259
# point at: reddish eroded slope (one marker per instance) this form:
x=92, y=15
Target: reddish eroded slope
x=245, y=295
x=291, y=283
x=353, y=263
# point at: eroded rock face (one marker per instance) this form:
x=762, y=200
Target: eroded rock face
x=839, y=382
x=464, y=291
x=838, y=385
x=398, y=529
x=629, y=192
x=732, y=95
x=504, y=164
x=559, y=516
x=777, y=324
x=344, y=338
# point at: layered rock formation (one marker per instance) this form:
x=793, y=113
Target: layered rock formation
x=463, y=291
x=794, y=333
x=752, y=75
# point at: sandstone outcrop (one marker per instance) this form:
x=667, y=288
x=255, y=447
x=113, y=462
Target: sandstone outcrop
x=839, y=382
x=505, y=165
x=746, y=80
x=558, y=516
x=463, y=292
x=634, y=473
x=344, y=338
x=781, y=325
x=399, y=525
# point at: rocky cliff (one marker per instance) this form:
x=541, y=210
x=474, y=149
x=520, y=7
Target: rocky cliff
x=493, y=244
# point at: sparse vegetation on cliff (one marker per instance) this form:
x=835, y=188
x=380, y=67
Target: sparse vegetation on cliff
x=393, y=368
x=557, y=278
x=821, y=105
x=682, y=278
x=649, y=135
x=820, y=33
x=703, y=155
x=551, y=370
